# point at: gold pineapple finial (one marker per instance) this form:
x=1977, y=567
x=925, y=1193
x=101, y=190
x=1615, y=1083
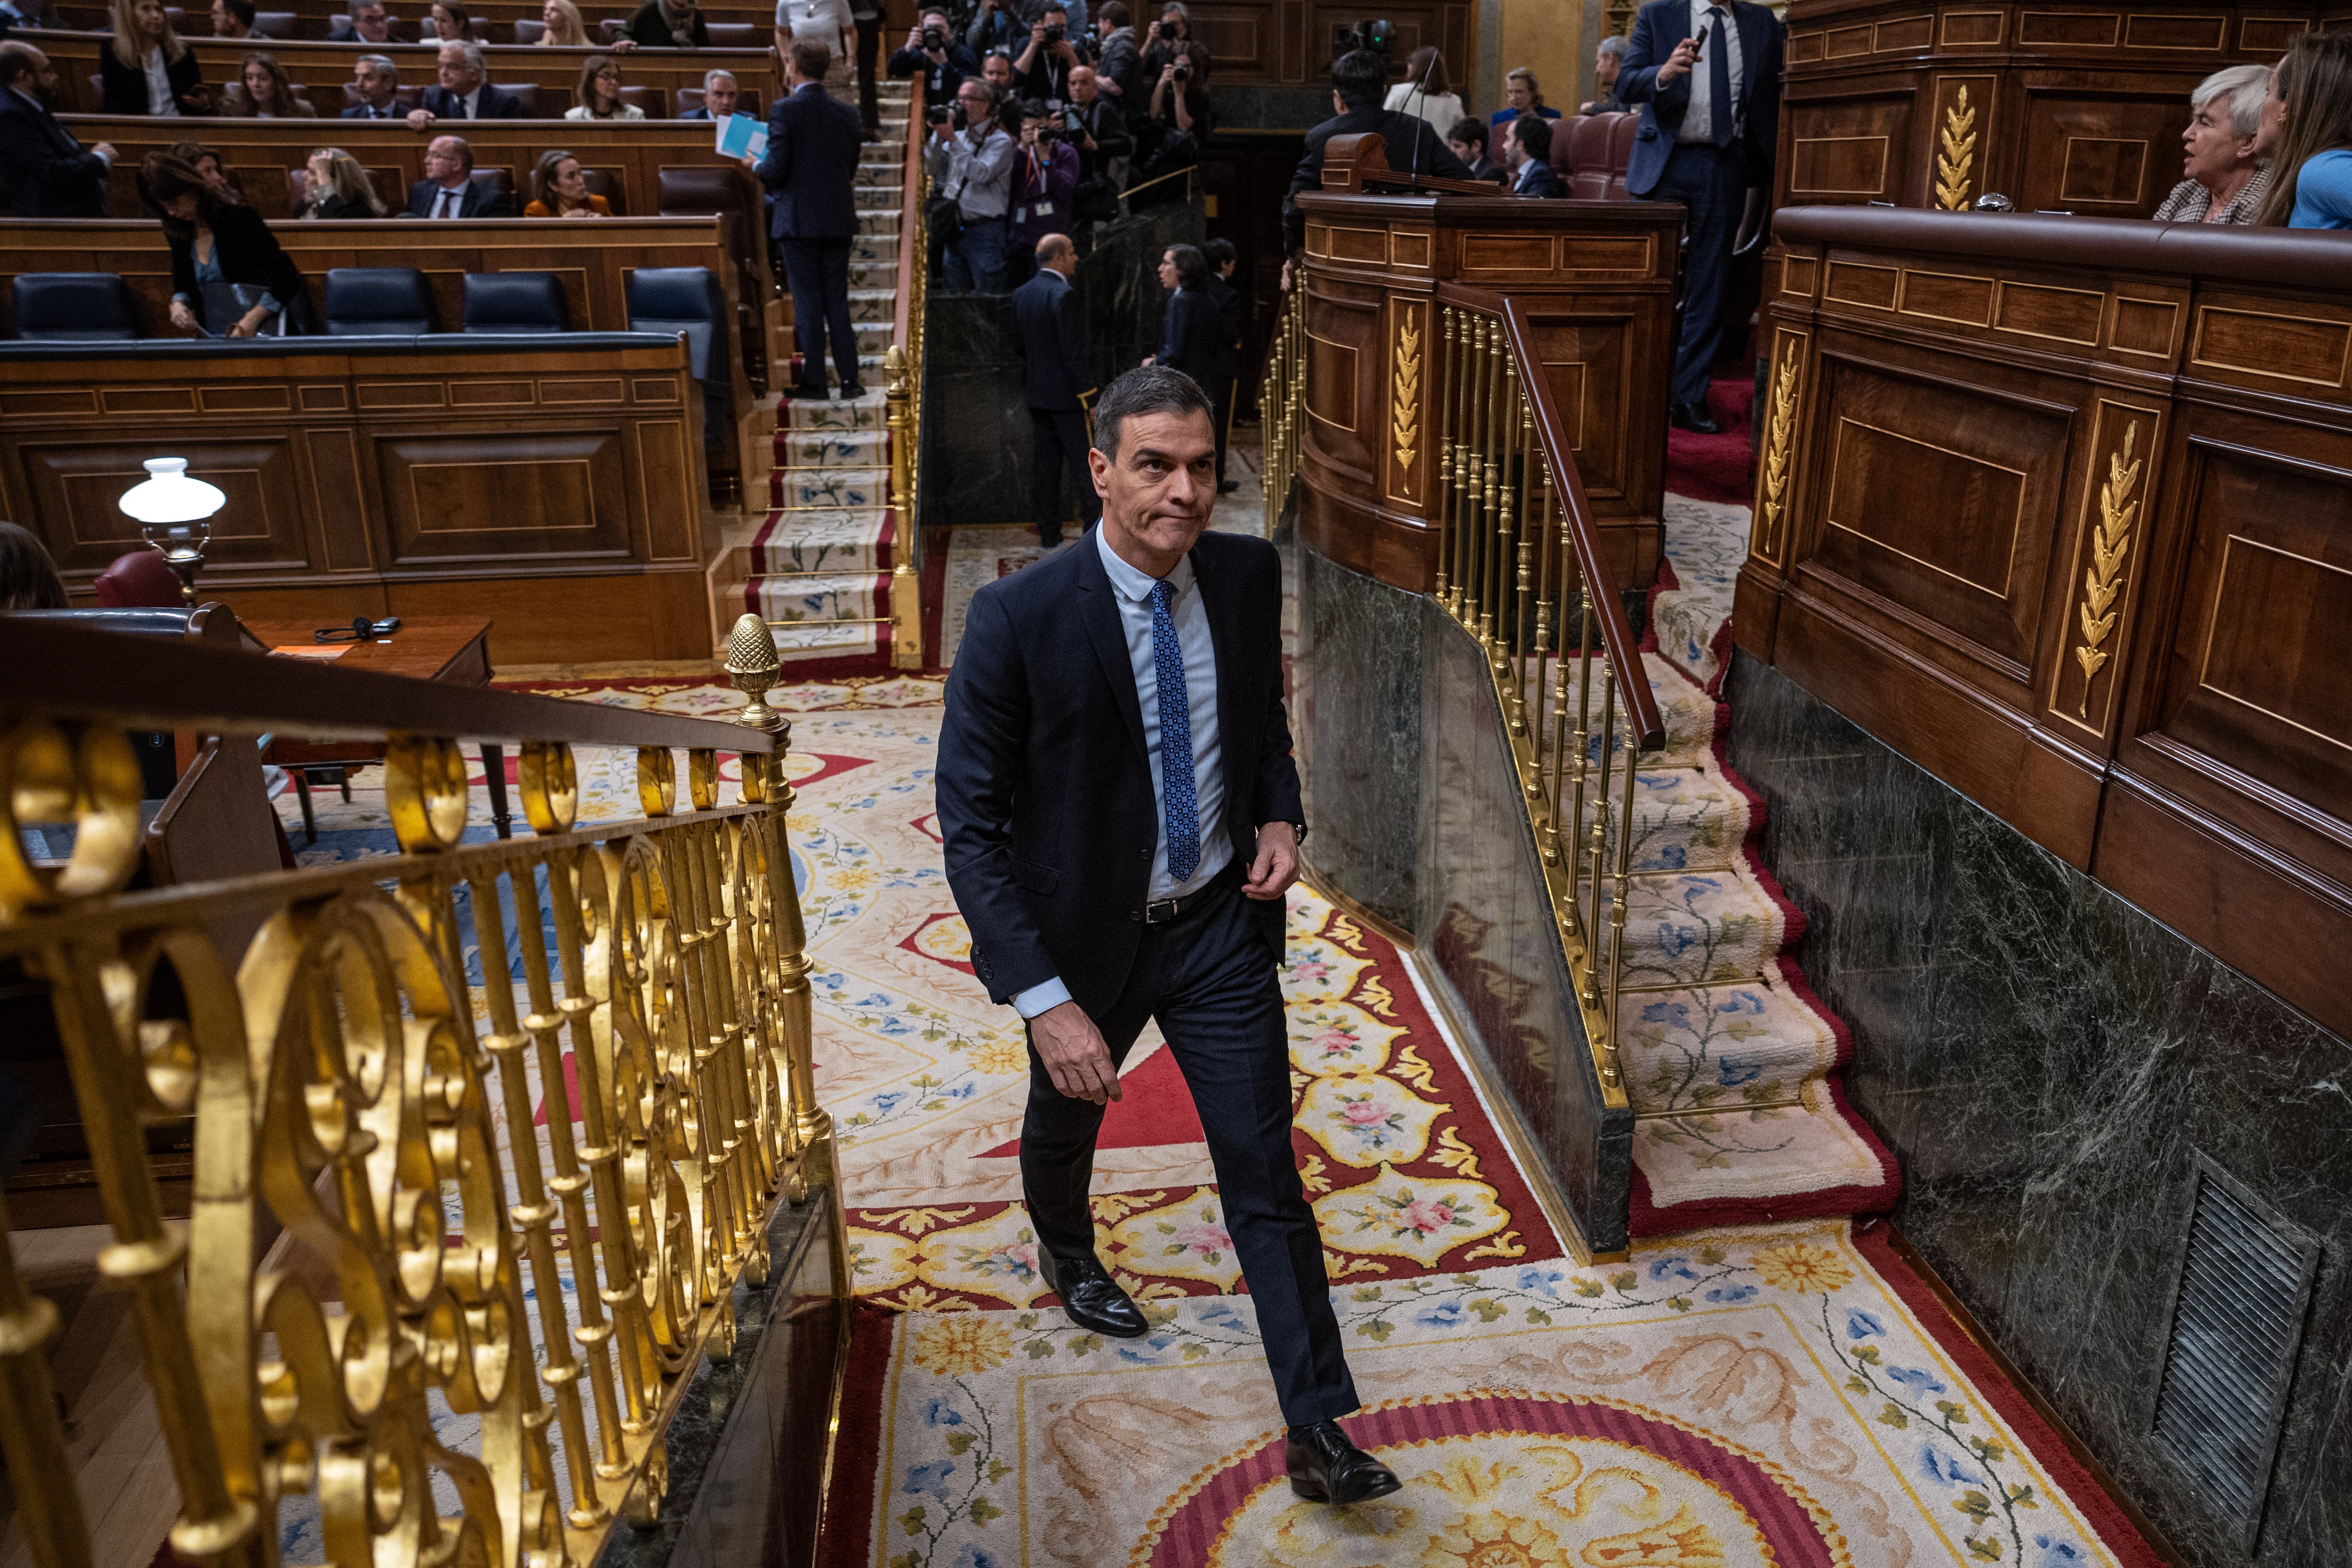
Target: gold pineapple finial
x=751, y=665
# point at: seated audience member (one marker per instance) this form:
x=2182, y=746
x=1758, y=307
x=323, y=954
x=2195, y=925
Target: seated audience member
x=2225, y=179
x=932, y=52
x=668, y=24
x=1044, y=179
x=265, y=93
x=560, y=189
x=233, y=18
x=2307, y=134
x=29, y=578
x=1529, y=148
x=377, y=80
x=1192, y=332
x=449, y=23
x=229, y=276
x=146, y=70
x=1468, y=141
x=720, y=94
x=829, y=22
x=447, y=189
x=565, y=30
x=1607, y=61
x=461, y=93
x=23, y=17
x=339, y=187
x=970, y=160
x=1042, y=70
x=209, y=162
x=1116, y=61
x=1423, y=92
x=50, y=172
x=368, y=22
x=1521, y=96
x=600, y=92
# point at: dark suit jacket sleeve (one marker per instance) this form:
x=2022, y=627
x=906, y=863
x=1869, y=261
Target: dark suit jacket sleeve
x=1278, y=796
x=1171, y=329
x=981, y=761
x=1764, y=105
x=250, y=254
x=184, y=272
x=1637, y=76
x=25, y=149
x=494, y=203
x=776, y=164
x=1070, y=327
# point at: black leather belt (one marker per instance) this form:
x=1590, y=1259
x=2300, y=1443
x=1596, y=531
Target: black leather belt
x=1160, y=911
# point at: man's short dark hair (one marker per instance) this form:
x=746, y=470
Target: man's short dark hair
x=1114, y=13
x=1191, y=267
x=1220, y=251
x=1534, y=133
x=242, y=10
x=17, y=60
x=1147, y=389
x=1032, y=109
x=1468, y=133
x=810, y=58
x=1360, y=77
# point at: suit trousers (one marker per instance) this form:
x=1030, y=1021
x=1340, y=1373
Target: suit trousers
x=1711, y=183
x=819, y=272
x=869, y=50
x=1057, y=440
x=1208, y=978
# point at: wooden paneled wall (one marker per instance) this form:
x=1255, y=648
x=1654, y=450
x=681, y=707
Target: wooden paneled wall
x=558, y=490
x=593, y=262
x=1251, y=43
x=1597, y=279
x=2062, y=509
x=2076, y=107
x=314, y=18
x=322, y=68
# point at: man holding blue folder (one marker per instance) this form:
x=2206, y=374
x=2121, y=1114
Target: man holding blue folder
x=811, y=170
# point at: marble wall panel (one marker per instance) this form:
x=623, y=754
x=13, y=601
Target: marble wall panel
x=2043, y=1057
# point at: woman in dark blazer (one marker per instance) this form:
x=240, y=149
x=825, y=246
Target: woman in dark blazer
x=1191, y=334
x=143, y=49
x=229, y=277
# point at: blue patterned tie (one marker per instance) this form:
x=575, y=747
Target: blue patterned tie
x=1175, y=739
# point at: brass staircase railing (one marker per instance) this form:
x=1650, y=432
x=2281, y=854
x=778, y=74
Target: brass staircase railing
x=348, y=1096
x=902, y=372
x=1520, y=569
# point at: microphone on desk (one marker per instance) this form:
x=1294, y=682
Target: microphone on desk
x=1420, y=122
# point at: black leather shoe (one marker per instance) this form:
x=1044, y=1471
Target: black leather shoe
x=1227, y=487
x=1325, y=1467
x=852, y=390
x=1092, y=1298
x=1695, y=416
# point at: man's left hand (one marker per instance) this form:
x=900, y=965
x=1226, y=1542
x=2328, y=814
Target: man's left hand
x=1277, y=865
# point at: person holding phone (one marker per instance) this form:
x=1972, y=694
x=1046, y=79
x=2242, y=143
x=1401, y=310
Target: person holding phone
x=1706, y=75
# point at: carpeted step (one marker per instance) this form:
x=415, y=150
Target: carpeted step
x=879, y=246
x=853, y=541
x=866, y=412
x=1698, y=928
x=1731, y=1049
x=877, y=220
x=832, y=448
x=804, y=490
x=881, y=275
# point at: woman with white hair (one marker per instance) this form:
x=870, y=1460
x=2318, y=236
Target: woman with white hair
x=2226, y=181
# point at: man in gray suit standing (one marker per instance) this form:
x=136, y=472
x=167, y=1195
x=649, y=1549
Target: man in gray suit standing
x=1051, y=336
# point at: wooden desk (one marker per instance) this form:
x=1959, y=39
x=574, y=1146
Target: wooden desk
x=455, y=648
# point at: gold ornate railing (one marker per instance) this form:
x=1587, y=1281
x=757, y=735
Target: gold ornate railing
x=902, y=369
x=377, y=1233
x=1520, y=568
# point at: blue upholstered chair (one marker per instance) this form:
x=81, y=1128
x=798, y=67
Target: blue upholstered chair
x=74, y=308
x=690, y=299
x=378, y=301
x=515, y=302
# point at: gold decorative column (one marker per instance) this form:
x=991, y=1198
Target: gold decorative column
x=906, y=584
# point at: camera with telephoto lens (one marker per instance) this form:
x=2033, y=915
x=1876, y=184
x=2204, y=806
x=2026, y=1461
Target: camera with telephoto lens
x=1072, y=123
x=1378, y=36
x=1183, y=70
x=935, y=38
x=1165, y=32
x=1056, y=33
x=939, y=114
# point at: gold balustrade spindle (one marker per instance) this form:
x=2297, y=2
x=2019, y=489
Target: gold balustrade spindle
x=1482, y=516
x=49, y=1507
x=1562, y=742
x=743, y=1158
x=533, y=1214
x=1599, y=838
x=1490, y=606
x=1445, y=444
x=1582, y=745
x=1539, y=472
x=1466, y=510
x=710, y=1197
x=1625, y=882
x=1515, y=528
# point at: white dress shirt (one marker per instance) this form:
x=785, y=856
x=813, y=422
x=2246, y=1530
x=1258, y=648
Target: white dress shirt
x=1131, y=588
x=159, y=84
x=448, y=203
x=469, y=105
x=1698, y=119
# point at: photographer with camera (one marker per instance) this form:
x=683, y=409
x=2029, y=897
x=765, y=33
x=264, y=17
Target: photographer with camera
x=1044, y=181
x=1042, y=70
x=1359, y=79
x=1179, y=96
x=1005, y=23
x=1094, y=126
x=996, y=69
x=970, y=159
x=932, y=53
x=1164, y=41
x=1116, y=63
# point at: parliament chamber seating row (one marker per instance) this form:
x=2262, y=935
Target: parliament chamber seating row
x=318, y=70
x=1591, y=151
x=538, y=102
x=494, y=21
x=291, y=26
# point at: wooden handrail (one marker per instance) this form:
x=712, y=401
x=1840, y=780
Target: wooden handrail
x=141, y=682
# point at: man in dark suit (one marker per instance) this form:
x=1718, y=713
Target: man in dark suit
x=1121, y=818
x=1360, y=80
x=1050, y=333
x=1529, y=151
x=1191, y=334
x=1223, y=258
x=812, y=169
x=49, y=173
x=449, y=190
x=1707, y=75
x=368, y=21
x=721, y=92
x=377, y=82
x=463, y=92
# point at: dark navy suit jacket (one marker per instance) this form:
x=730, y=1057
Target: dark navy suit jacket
x=1542, y=179
x=1661, y=25
x=493, y=104
x=1050, y=324
x=1046, y=795
x=50, y=174
x=811, y=165
x=1192, y=338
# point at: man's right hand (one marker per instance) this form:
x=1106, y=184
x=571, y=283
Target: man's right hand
x=106, y=151
x=1074, y=1053
x=1686, y=55
x=418, y=119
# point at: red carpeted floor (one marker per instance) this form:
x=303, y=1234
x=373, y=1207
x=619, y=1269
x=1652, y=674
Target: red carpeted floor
x=1716, y=467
